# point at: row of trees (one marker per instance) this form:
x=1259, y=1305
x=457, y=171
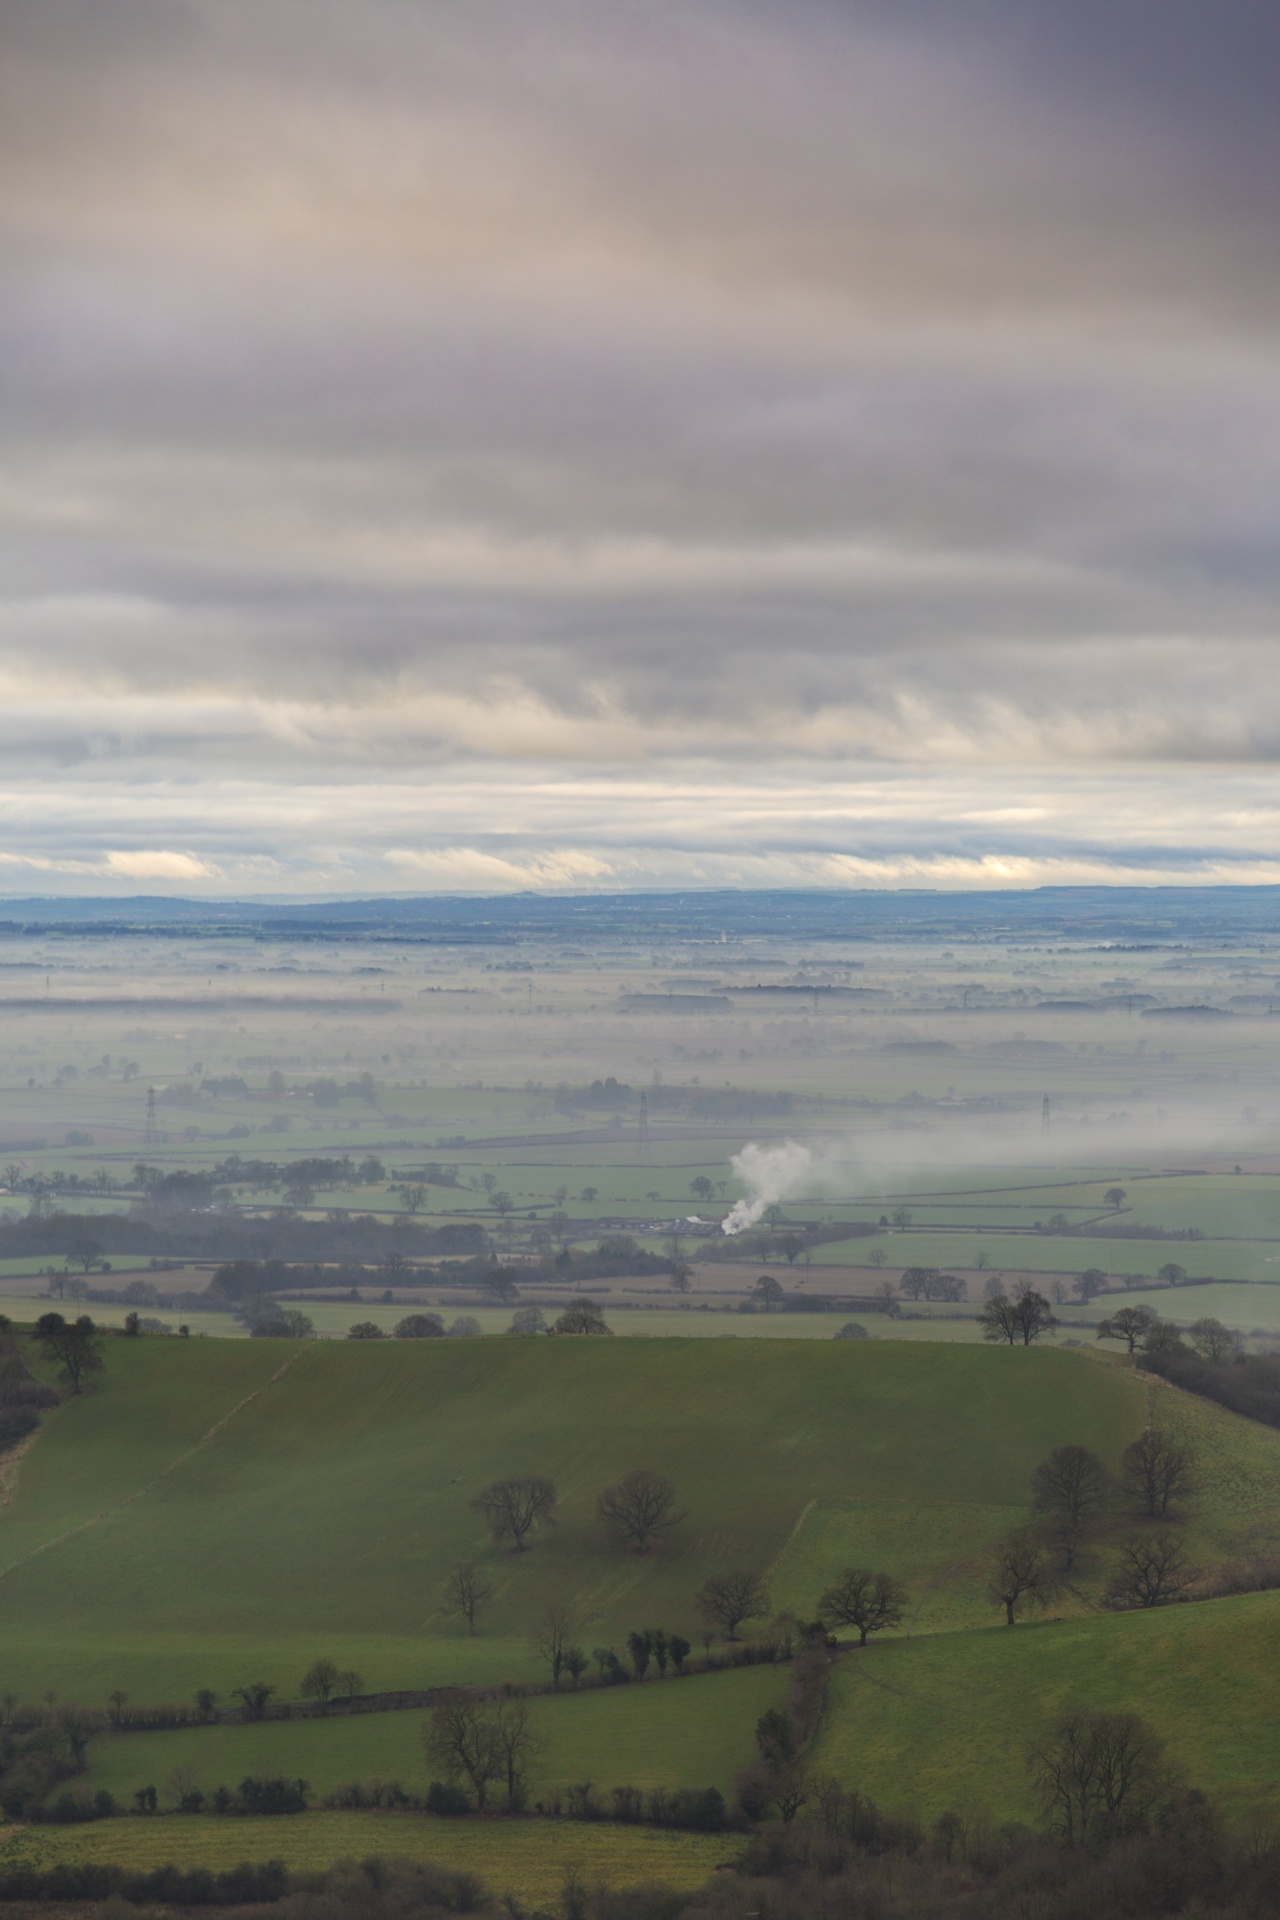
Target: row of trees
x=639, y=1510
x=1141, y=1329
x=1017, y=1320
x=926, y=1283
x=1071, y=1490
x=419, y=1326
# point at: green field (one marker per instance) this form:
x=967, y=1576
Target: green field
x=527, y=1858
x=215, y=1512
x=1244, y=1306
x=945, y=1720
x=673, y=1733
x=333, y=1320
x=1049, y=1253
x=321, y=1516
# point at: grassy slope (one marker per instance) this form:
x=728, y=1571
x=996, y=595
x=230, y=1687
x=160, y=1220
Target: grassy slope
x=940, y=1549
x=528, y=1858
x=320, y=1517
x=688, y=1733
x=324, y=1514
x=945, y=1720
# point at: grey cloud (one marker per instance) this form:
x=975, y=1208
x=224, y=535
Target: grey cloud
x=724, y=393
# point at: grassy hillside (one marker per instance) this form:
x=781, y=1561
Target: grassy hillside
x=945, y=1720
x=323, y=1513
x=214, y=1513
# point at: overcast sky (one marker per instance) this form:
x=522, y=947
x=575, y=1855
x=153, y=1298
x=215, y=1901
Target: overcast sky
x=482, y=444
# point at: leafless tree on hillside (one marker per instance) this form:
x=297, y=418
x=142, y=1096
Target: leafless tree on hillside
x=1020, y=1576
x=468, y=1590
x=727, y=1599
x=640, y=1508
x=513, y=1508
x=1160, y=1469
x=1069, y=1488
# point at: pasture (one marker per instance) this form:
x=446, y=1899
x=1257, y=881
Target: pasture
x=223, y=1511
x=664, y=1733
x=219, y=1512
x=944, y=1721
x=526, y=1858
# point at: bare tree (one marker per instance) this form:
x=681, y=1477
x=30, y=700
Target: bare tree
x=1213, y=1341
x=468, y=1590
x=1020, y=1576
x=320, y=1682
x=575, y=1663
x=1130, y=1324
x=86, y=1251
x=1153, y=1571
x=583, y=1316
x=640, y=1508
x=1069, y=1488
x=1032, y=1314
x=865, y=1600
x=500, y=1284
x=185, y=1788
x=528, y=1321
x=74, y=1347
x=255, y=1698
x=727, y=1599
x=790, y=1783
x=1099, y=1775
x=1160, y=1469
x=513, y=1508
x=551, y=1642
x=1164, y=1342
x=414, y=1197
x=519, y=1743
x=461, y=1739
x=998, y=1318
x=419, y=1326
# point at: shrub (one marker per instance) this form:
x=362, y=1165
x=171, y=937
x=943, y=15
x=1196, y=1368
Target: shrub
x=443, y=1798
x=273, y=1796
x=420, y=1326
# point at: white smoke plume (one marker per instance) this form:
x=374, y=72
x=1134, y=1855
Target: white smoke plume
x=770, y=1174
x=864, y=1165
